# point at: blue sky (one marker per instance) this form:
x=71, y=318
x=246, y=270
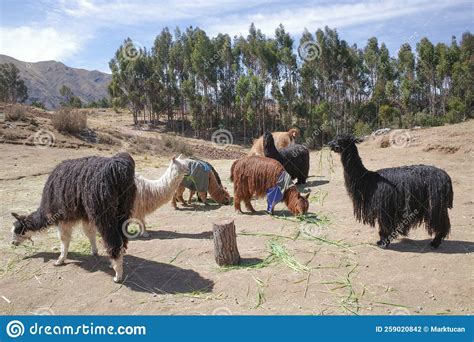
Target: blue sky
x=86, y=33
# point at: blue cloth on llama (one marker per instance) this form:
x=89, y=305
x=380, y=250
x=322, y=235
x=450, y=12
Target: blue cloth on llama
x=198, y=177
x=275, y=194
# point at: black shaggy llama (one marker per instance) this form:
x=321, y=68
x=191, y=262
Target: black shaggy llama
x=98, y=191
x=398, y=198
x=294, y=158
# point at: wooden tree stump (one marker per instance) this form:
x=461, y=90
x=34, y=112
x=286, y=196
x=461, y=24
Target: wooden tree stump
x=225, y=243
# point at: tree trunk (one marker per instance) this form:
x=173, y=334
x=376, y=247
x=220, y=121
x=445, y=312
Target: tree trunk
x=225, y=243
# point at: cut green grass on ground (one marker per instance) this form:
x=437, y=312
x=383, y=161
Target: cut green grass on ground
x=319, y=197
x=278, y=254
x=260, y=293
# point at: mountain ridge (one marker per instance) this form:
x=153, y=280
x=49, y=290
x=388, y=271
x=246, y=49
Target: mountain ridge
x=44, y=79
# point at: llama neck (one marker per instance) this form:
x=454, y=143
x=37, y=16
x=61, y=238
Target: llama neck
x=354, y=170
x=37, y=221
x=270, y=148
x=166, y=185
x=290, y=198
x=216, y=191
x=154, y=193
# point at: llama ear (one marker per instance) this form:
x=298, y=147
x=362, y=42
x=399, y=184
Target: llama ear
x=179, y=157
x=306, y=195
x=358, y=140
x=18, y=217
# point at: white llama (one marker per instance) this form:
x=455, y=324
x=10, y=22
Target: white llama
x=152, y=194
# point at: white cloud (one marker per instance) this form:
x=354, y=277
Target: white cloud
x=32, y=44
x=297, y=16
x=138, y=12
x=70, y=25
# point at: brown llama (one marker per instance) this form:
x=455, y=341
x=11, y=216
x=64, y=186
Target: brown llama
x=212, y=184
x=282, y=140
x=261, y=176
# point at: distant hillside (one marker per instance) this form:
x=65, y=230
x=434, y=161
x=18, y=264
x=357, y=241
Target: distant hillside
x=44, y=79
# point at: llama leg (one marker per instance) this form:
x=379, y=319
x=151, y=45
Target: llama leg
x=178, y=196
x=249, y=206
x=117, y=265
x=90, y=232
x=173, y=201
x=437, y=240
x=203, y=197
x=384, y=239
x=180, y=193
x=115, y=245
x=443, y=231
x=190, y=199
x=64, y=232
x=237, y=201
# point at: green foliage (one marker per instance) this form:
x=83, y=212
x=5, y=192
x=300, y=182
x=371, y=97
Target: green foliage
x=426, y=120
x=69, y=99
x=362, y=128
x=253, y=83
x=388, y=115
x=38, y=104
x=12, y=88
x=102, y=103
x=457, y=110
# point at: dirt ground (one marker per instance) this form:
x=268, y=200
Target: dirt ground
x=331, y=266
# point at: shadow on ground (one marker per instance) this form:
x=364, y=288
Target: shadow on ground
x=165, y=234
x=140, y=274
x=423, y=246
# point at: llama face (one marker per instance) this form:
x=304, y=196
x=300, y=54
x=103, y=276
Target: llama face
x=180, y=165
x=20, y=232
x=226, y=200
x=343, y=141
x=302, y=205
x=294, y=133
x=268, y=138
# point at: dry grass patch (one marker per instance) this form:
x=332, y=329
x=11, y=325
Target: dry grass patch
x=16, y=112
x=69, y=120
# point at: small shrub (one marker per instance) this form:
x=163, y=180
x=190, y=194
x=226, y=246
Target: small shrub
x=427, y=120
x=107, y=139
x=69, y=120
x=456, y=112
x=16, y=112
x=362, y=128
x=453, y=116
x=38, y=104
x=7, y=135
x=178, y=146
x=387, y=115
x=385, y=142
